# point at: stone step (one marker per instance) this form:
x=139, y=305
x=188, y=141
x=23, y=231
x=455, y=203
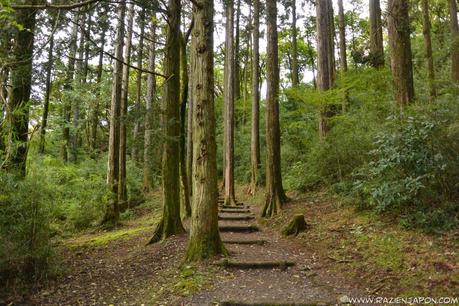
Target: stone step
x=234, y=211
x=235, y=303
x=238, y=228
x=235, y=218
x=255, y=264
x=245, y=242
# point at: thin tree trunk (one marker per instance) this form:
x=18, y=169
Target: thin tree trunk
x=68, y=86
x=401, y=59
x=21, y=82
x=455, y=40
x=255, y=133
x=122, y=191
x=204, y=241
x=171, y=223
x=184, y=98
x=229, y=97
x=376, y=35
x=342, y=37
x=237, y=66
x=113, y=212
x=275, y=195
x=189, y=131
x=428, y=47
x=295, y=71
x=48, y=84
x=135, y=144
x=148, y=179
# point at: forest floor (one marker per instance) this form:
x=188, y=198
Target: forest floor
x=343, y=253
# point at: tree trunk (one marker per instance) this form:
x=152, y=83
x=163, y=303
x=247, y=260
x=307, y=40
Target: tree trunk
x=48, y=84
x=295, y=71
x=148, y=179
x=184, y=99
x=122, y=191
x=204, y=241
x=275, y=195
x=76, y=101
x=237, y=66
x=228, y=114
x=68, y=86
x=171, y=223
x=401, y=60
x=189, y=136
x=376, y=35
x=255, y=133
x=112, y=213
x=428, y=47
x=454, y=40
x=342, y=37
x=135, y=143
x=325, y=61
x=21, y=82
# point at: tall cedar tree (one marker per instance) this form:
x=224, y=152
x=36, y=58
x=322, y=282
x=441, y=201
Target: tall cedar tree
x=204, y=241
x=428, y=49
x=342, y=37
x=228, y=114
x=401, y=61
x=454, y=40
x=113, y=212
x=255, y=133
x=122, y=192
x=376, y=35
x=21, y=82
x=295, y=69
x=325, y=60
x=171, y=224
x=275, y=195
x=148, y=157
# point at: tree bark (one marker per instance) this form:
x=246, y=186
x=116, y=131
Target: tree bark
x=229, y=97
x=342, y=37
x=148, y=179
x=48, y=85
x=428, y=46
x=401, y=59
x=135, y=143
x=376, y=35
x=295, y=71
x=275, y=195
x=255, y=132
x=204, y=241
x=122, y=191
x=21, y=82
x=171, y=223
x=184, y=99
x=112, y=213
x=237, y=66
x=325, y=61
x=454, y=40
x=68, y=86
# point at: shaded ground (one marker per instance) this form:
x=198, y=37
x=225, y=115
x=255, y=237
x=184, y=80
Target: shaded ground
x=343, y=253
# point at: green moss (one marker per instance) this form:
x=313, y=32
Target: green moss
x=104, y=238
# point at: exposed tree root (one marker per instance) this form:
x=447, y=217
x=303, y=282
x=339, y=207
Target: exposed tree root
x=158, y=233
x=258, y=242
x=296, y=226
x=256, y=264
x=238, y=228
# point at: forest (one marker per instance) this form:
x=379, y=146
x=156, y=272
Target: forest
x=229, y=152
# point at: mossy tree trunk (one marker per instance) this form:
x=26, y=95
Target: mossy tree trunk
x=148, y=179
x=171, y=223
x=228, y=114
x=21, y=82
x=112, y=212
x=275, y=195
x=428, y=49
x=255, y=132
x=376, y=35
x=204, y=241
x=295, y=69
x=401, y=58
